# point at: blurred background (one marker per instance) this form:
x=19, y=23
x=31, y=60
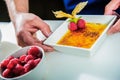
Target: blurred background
x=42, y=8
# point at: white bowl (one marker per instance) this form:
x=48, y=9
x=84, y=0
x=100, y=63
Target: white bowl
x=32, y=73
x=60, y=31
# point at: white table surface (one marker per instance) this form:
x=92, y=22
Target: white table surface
x=105, y=65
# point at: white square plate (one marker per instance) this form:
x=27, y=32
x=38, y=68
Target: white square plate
x=63, y=28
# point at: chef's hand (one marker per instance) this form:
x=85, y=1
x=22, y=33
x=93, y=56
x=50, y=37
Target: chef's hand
x=110, y=10
x=26, y=25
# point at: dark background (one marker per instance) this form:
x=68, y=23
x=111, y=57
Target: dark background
x=42, y=8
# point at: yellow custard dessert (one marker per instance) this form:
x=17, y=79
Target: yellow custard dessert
x=84, y=38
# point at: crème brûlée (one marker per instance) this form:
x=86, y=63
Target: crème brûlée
x=84, y=38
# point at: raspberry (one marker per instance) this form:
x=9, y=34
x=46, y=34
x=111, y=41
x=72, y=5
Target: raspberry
x=36, y=61
x=81, y=23
x=72, y=26
x=34, y=51
x=10, y=57
x=28, y=57
x=22, y=57
x=12, y=63
x=27, y=68
x=31, y=63
x=18, y=70
x=4, y=63
x=7, y=73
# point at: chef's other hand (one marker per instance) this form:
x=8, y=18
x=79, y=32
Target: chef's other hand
x=110, y=10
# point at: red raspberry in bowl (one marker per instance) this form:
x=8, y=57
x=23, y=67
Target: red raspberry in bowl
x=28, y=57
x=35, y=52
x=18, y=70
x=12, y=63
x=4, y=63
x=27, y=67
x=10, y=57
x=22, y=57
x=7, y=73
x=36, y=61
x=31, y=63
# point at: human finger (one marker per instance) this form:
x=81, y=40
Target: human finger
x=29, y=39
x=111, y=6
x=45, y=47
x=41, y=25
x=115, y=28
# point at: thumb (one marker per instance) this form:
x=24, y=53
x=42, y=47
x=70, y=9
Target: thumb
x=115, y=28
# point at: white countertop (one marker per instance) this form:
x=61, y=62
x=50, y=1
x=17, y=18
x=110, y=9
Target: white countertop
x=105, y=65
